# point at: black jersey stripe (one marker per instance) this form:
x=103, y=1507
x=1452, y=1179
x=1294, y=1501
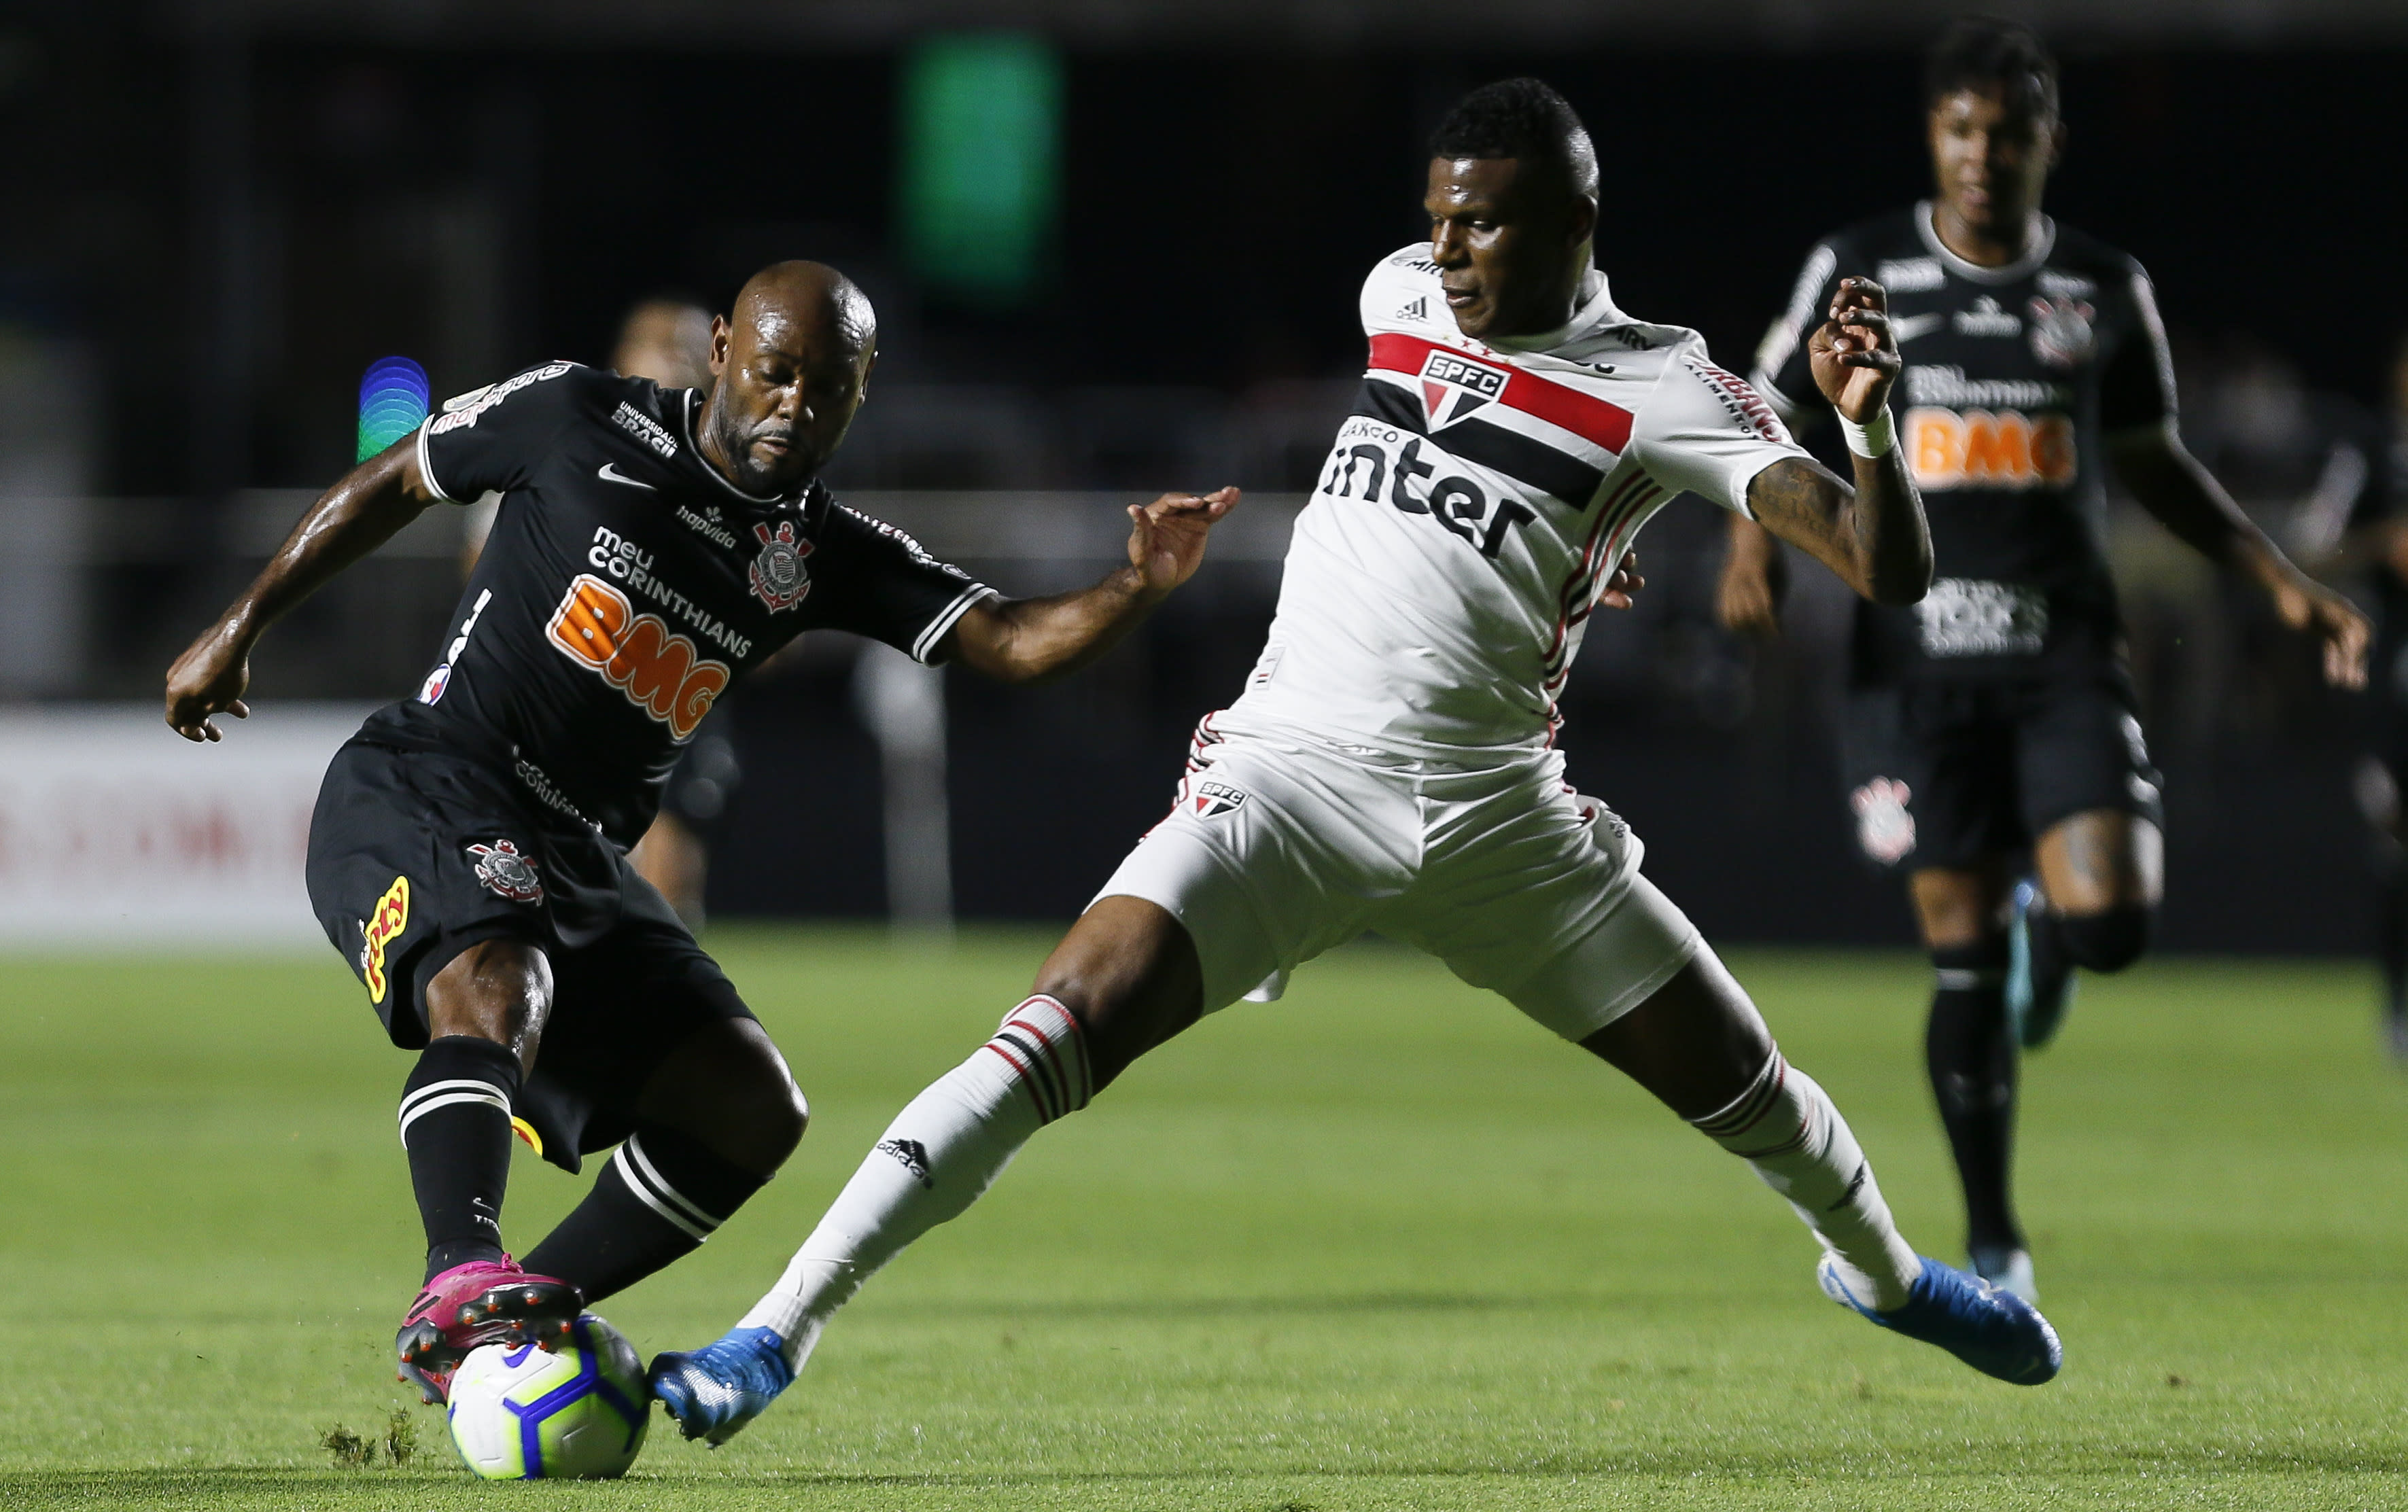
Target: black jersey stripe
x=1533, y=464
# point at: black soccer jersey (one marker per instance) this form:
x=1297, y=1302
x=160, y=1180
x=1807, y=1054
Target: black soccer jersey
x=2013, y=377
x=627, y=584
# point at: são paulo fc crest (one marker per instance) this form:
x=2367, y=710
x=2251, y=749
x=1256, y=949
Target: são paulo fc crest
x=1207, y=798
x=779, y=578
x=1454, y=385
x=2061, y=335
x=508, y=874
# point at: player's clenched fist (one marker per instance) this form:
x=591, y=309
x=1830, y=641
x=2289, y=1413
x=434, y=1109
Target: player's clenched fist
x=1167, y=541
x=1853, y=352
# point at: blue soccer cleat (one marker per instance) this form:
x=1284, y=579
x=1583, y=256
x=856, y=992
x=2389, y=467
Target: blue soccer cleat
x=715, y=1391
x=2036, y=1006
x=1995, y=1332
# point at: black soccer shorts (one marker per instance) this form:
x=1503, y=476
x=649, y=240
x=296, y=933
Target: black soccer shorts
x=415, y=856
x=1948, y=774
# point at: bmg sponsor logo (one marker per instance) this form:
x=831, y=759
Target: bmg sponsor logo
x=1990, y=448
x=659, y=670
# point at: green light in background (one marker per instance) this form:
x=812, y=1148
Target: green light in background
x=981, y=163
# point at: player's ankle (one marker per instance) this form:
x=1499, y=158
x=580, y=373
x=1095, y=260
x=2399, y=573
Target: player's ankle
x=454, y=1252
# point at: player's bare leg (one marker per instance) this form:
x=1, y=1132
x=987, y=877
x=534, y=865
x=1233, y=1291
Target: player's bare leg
x=1699, y=1044
x=2101, y=874
x=713, y=1124
x=1124, y=980
x=485, y=1014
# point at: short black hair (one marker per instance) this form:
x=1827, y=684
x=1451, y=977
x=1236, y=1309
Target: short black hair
x=1518, y=118
x=1987, y=54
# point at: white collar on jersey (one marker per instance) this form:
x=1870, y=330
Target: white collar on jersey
x=1596, y=310
x=2039, y=242
x=686, y=419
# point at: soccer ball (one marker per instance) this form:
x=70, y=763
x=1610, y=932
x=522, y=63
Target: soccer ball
x=576, y=1412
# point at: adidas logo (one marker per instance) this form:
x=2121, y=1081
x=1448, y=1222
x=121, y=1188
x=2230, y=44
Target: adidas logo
x=1417, y=309
x=914, y=1156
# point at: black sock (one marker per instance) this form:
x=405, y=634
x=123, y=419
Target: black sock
x=2391, y=932
x=1971, y=1051
x=455, y=1122
x=2052, y=961
x=655, y=1202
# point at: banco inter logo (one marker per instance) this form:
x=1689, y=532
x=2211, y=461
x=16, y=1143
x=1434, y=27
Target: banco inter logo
x=1454, y=385
x=659, y=670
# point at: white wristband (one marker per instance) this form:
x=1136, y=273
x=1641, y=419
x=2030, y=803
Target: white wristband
x=1871, y=441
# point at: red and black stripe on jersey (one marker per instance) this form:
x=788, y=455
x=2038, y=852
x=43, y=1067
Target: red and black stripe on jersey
x=1548, y=436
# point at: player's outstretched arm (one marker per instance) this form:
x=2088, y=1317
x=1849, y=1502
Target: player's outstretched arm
x=1029, y=639
x=1873, y=537
x=2174, y=486
x=350, y=520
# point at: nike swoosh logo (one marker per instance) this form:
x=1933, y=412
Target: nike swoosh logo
x=1905, y=328
x=611, y=473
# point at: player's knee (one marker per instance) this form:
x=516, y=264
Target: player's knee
x=2106, y=941
x=497, y=989
x=738, y=1098
x=767, y=1114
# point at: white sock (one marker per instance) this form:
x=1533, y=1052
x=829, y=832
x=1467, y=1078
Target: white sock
x=1787, y=1127
x=941, y=1152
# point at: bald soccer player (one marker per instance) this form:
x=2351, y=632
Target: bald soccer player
x=468, y=852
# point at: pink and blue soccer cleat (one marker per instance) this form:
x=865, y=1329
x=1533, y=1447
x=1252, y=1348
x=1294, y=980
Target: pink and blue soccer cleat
x=483, y=1301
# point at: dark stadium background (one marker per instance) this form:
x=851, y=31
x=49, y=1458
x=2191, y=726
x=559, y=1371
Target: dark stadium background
x=221, y=213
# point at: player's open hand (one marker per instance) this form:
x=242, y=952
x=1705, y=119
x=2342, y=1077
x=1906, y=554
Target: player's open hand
x=211, y=677
x=1625, y=582
x=1166, y=538
x=1853, y=355
x=2311, y=608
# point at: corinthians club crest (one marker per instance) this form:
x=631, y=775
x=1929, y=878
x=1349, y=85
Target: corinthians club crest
x=2061, y=334
x=779, y=578
x=508, y=874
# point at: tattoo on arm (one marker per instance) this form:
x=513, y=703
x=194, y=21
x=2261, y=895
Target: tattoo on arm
x=1873, y=537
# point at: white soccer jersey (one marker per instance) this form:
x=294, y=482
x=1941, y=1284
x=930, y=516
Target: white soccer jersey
x=1474, y=504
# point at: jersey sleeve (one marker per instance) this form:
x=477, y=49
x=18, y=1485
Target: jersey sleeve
x=489, y=439
x=1781, y=375
x=1707, y=431
x=2136, y=387
x=879, y=582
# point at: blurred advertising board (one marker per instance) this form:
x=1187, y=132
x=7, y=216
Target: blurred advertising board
x=115, y=830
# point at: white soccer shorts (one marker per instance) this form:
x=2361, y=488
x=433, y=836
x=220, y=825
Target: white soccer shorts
x=1280, y=847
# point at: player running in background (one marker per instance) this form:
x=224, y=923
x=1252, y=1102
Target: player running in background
x=1996, y=719
x=1392, y=765
x=467, y=856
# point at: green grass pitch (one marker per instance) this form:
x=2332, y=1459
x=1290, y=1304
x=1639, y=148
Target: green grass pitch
x=1381, y=1245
